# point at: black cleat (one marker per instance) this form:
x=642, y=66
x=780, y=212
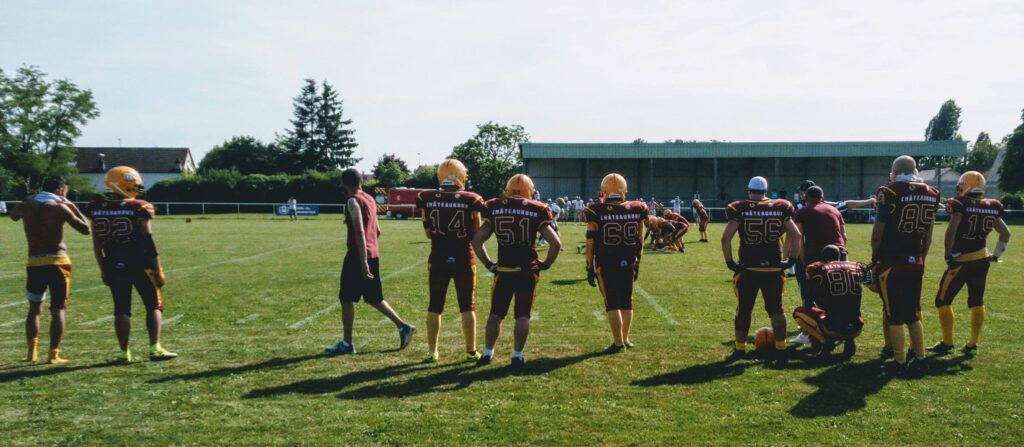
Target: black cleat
x=613, y=349
x=778, y=358
x=895, y=368
x=827, y=347
x=849, y=349
x=970, y=350
x=483, y=360
x=918, y=367
x=737, y=354
x=886, y=353
x=518, y=362
x=940, y=348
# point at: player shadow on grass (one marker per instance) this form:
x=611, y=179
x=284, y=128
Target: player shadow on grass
x=337, y=383
x=276, y=362
x=567, y=282
x=722, y=369
x=31, y=371
x=461, y=377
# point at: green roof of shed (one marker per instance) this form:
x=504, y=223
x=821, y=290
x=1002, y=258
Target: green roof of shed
x=741, y=150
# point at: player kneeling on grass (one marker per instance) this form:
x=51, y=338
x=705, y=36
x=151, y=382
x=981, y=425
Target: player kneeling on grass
x=451, y=215
x=971, y=218
x=614, y=248
x=761, y=222
x=360, y=271
x=680, y=227
x=515, y=220
x=834, y=314
x=122, y=236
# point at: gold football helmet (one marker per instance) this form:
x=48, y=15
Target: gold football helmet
x=971, y=182
x=124, y=181
x=667, y=213
x=613, y=187
x=519, y=185
x=452, y=173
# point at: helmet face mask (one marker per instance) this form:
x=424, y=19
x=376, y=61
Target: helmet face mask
x=452, y=174
x=124, y=181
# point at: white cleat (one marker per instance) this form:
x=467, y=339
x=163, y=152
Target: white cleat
x=802, y=339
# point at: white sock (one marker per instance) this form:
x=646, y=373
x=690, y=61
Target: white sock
x=489, y=352
x=517, y=354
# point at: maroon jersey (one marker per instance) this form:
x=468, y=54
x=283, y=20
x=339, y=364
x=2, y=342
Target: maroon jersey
x=117, y=225
x=618, y=239
x=448, y=216
x=908, y=211
x=678, y=220
x=761, y=226
x=702, y=213
x=839, y=290
x=979, y=218
x=371, y=230
x=822, y=224
x=516, y=222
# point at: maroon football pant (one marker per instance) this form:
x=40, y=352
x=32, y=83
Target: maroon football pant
x=973, y=274
x=747, y=284
x=438, y=278
x=519, y=285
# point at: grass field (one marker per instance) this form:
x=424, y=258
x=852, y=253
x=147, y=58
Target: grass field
x=252, y=301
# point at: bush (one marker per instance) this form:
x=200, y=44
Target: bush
x=1013, y=201
x=231, y=186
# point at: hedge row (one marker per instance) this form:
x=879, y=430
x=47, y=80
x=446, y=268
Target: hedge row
x=232, y=186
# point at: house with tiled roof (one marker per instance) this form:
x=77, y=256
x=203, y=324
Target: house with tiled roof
x=154, y=163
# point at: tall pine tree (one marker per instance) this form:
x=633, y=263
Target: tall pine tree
x=319, y=138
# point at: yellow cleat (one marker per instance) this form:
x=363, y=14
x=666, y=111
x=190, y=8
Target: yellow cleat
x=33, y=350
x=432, y=357
x=157, y=352
x=124, y=356
x=472, y=356
x=55, y=358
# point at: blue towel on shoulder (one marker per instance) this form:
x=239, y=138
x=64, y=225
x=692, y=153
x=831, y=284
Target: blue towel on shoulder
x=45, y=196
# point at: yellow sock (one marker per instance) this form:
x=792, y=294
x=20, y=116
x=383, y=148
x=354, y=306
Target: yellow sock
x=780, y=345
x=977, y=320
x=899, y=344
x=741, y=346
x=33, y=349
x=946, y=320
x=917, y=337
x=55, y=358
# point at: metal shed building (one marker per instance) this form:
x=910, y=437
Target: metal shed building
x=845, y=170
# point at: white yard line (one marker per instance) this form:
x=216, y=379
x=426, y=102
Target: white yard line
x=654, y=303
x=172, y=319
x=13, y=303
x=247, y=318
x=335, y=305
x=534, y=316
x=98, y=320
x=12, y=322
x=600, y=315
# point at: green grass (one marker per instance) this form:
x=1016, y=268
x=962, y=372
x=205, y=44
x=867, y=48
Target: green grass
x=259, y=381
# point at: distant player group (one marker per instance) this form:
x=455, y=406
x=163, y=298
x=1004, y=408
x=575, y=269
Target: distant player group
x=773, y=236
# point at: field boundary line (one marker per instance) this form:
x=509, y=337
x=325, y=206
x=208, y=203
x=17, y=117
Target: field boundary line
x=172, y=319
x=13, y=303
x=98, y=320
x=600, y=315
x=654, y=303
x=12, y=322
x=329, y=309
x=247, y=318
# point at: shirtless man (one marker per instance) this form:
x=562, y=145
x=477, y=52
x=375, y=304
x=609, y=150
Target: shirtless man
x=49, y=266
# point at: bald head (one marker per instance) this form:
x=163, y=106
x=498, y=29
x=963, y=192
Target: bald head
x=904, y=164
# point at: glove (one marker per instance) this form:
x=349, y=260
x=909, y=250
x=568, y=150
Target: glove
x=994, y=259
x=636, y=272
x=733, y=266
x=491, y=267
x=951, y=261
x=789, y=262
x=543, y=266
x=591, y=276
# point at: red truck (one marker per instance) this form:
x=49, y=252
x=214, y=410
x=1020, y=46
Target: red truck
x=398, y=203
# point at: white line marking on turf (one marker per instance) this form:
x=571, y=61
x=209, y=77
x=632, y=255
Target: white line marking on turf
x=335, y=305
x=534, y=316
x=98, y=320
x=600, y=315
x=247, y=318
x=172, y=319
x=15, y=303
x=12, y=323
x=654, y=303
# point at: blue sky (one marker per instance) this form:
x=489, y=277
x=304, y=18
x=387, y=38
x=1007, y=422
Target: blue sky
x=417, y=76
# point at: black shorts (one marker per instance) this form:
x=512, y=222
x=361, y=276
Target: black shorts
x=616, y=285
x=55, y=278
x=142, y=280
x=355, y=287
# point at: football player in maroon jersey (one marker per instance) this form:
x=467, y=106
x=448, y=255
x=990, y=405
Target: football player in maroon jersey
x=834, y=313
x=900, y=240
x=122, y=235
x=516, y=221
x=614, y=248
x=760, y=222
x=971, y=218
x=450, y=217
